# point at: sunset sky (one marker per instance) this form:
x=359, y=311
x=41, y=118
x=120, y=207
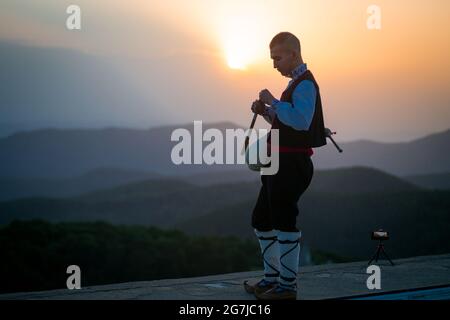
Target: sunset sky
x=207, y=60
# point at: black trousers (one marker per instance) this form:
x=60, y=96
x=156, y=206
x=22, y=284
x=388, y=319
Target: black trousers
x=276, y=207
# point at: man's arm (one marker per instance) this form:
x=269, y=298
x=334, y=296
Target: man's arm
x=299, y=114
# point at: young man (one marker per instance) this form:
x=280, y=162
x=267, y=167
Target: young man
x=299, y=119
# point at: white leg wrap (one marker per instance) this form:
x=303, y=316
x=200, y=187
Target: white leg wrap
x=271, y=254
x=289, y=243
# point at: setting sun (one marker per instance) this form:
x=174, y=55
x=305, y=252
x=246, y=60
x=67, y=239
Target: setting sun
x=242, y=42
x=238, y=54
x=235, y=62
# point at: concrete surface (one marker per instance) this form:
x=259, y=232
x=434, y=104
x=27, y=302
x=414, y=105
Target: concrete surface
x=314, y=282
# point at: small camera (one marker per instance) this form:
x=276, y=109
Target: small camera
x=380, y=235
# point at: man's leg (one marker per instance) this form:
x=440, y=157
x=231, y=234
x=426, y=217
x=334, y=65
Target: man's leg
x=268, y=241
x=284, y=190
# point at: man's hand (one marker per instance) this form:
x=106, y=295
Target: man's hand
x=258, y=107
x=266, y=97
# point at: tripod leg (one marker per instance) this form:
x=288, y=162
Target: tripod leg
x=373, y=257
x=387, y=257
x=378, y=252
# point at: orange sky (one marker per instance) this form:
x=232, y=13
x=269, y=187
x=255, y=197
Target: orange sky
x=388, y=85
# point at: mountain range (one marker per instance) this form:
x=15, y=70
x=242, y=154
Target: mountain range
x=417, y=221
x=67, y=153
x=337, y=213
x=366, y=179
x=165, y=202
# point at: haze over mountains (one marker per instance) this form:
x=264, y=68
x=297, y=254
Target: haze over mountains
x=66, y=153
x=427, y=155
x=13, y=188
x=51, y=86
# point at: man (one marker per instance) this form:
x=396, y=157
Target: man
x=299, y=119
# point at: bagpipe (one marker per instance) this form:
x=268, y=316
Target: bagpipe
x=254, y=148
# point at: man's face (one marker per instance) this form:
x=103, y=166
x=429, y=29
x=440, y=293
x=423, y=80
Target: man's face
x=283, y=59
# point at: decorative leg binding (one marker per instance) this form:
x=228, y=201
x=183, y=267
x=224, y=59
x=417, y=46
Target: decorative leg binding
x=289, y=258
x=268, y=242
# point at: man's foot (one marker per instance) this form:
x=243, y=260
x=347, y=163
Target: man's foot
x=259, y=287
x=277, y=293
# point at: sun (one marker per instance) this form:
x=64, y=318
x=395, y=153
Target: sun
x=237, y=56
x=241, y=43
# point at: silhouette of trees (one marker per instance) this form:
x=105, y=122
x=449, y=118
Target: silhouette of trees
x=36, y=254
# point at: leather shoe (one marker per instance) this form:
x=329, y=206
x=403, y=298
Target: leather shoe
x=259, y=287
x=277, y=293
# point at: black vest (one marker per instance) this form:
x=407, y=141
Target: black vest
x=312, y=138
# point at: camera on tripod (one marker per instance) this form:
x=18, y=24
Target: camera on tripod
x=380, y=235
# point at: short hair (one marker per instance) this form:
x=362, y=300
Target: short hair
x=288, y=39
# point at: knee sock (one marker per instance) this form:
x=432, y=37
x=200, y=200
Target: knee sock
x=289, y=243
x=271, y=254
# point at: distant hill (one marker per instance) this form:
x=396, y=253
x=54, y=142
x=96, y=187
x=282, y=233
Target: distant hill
x=64, y=153
x=431, y=181
x=342, y=180
x=14, y=188
x=153, y=202
x=418, y=222
x=166, y=202
x=221, y=177
x=427, y=155
x=357, y=180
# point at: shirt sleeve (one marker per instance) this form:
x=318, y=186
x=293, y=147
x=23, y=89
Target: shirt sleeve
x=299, y=114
